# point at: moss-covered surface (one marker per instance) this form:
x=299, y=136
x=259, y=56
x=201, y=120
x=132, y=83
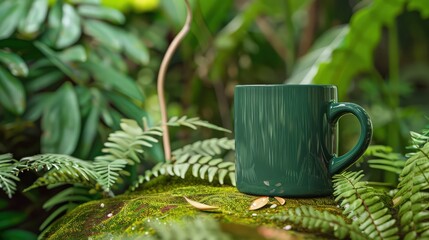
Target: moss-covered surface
x=162, y=200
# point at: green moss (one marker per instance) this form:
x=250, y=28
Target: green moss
x=162, y=200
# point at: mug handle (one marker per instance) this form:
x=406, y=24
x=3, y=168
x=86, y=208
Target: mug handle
x=335, y=111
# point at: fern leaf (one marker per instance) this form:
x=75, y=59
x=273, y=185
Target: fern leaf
x=412, y=197
x=108, y=172
x=193, y=123
x=57, y=161
x=129, y=142
x=204, y=167
x=209, y=147
x=325, y=222
x=365, y=206
x=8, y=174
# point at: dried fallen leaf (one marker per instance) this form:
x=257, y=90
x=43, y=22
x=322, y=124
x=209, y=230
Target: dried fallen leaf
x=200, y=206
x=259, y=203
x=282, y=201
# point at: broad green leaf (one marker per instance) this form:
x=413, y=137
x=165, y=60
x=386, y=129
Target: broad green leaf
x=420, y=6
x=17, y=234
x=134, y=47
x=55, y=60
x=31, y=23
x=215, y=12
x=43, y=81
x=110, y=78
x=73, y=54
x=126, y=106
x=61, y=123
x=112, y=58
x=10, y=218
x=356, y=54
x=90, y=127
x=175, y=11
x=85, y=1
x=102, y=13
x=15, y=63
x=54, y=24
x=103, y=33
x=12, y=94
x=37, y=105
x=307, y=66
x=70, y=27
x=10, y=13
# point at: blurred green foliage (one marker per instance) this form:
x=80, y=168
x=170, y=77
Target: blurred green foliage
x=71, y=69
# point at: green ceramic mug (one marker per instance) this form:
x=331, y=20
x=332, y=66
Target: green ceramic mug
x=286, y=139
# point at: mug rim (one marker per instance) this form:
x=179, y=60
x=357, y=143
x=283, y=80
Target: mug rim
x=287, y=85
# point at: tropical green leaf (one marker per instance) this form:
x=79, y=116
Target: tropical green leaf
x=16, y=65
x=10, y=14
x=96, y=2
x=43, y=81
x=37, y=105
x=11, y=218
x=91, y=123
x=110, y=78
x=18, y=234
x=356, y=54
x=56, y=61
x=70, y=29
x=31, y=23
x=73, y=54
x=61, y=124
x=103, y=33
x=12, y=95
x=126, y=105
x=101, y=13
x=307, y=66
x=134, y=47
x=420, y=6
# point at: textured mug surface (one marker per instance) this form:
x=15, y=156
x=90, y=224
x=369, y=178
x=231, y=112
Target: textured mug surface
x=286, y=139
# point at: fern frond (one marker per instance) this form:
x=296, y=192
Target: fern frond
x=325, y=222
x=413, y=195
x=193, y=123
x=365, y=206
x=209, y=147
x=130, y=141
x=201, y=166
x=8, y=174
x=108, y=171
x=201, y=157
x=63, y=175
x=58, y=161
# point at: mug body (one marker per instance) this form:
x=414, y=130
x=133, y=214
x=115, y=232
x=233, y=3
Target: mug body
x=284, y=141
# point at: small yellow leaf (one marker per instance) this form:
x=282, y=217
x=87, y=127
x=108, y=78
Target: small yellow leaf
x=282, y=201
x=259, y=203
x=200, y=206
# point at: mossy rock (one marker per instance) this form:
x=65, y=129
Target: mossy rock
x=162, y=200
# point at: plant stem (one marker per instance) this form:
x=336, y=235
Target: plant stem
x=161, y=79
